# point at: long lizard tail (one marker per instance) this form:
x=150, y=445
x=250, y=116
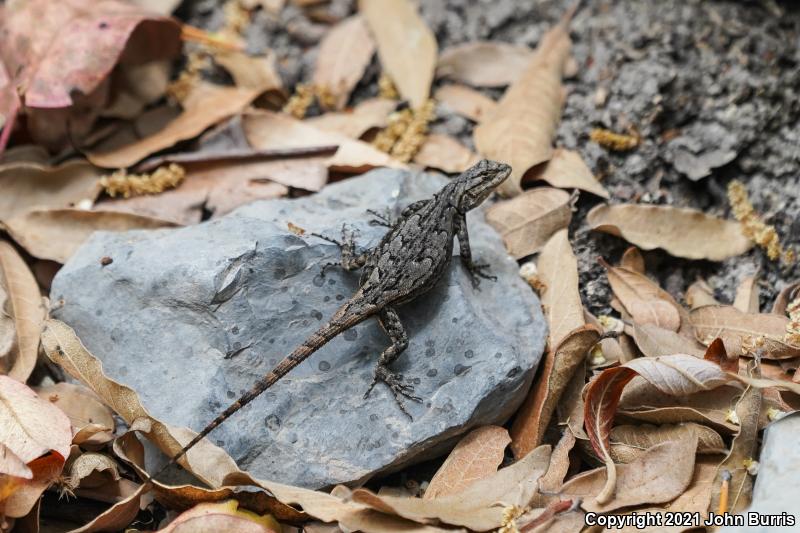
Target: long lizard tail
x=341, y=321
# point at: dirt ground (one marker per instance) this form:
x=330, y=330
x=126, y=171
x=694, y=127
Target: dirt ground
x=711, y=88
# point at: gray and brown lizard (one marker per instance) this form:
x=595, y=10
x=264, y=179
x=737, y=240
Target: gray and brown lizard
x=407, y=262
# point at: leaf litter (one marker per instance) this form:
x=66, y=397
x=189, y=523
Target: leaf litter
x=669, y=400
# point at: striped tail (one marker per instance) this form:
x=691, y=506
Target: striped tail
x=341, y=321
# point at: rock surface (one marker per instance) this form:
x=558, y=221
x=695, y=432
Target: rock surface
x=190, y=318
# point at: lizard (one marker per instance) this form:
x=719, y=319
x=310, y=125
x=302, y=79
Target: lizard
x=407, y=262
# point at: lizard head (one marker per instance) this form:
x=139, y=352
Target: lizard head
x=478, y=182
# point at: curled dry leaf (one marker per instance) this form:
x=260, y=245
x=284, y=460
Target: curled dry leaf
x=465, y=101
x=267, y=131
x=371, y=113
x=676, y=375
x=681, y=232
x=25, y=309
x=118, y=516
x=56, y=234
x=21, y=494
x=560, y=365
x=550, y=483
x=484, y=63
x=259, y=73
x=567, y=170
x=785, y=296
x=520, y=130
x=747, y=295
x=344, y=55
x=11, y=465
x=528, y=221
x=628, y=443
x=654, y=341
x=406, y=46
x=81, y=405
x=700, y=294
x=475, y=457
x=446, y=154
x=661, y=474
x=643, y=299
x=475, y=507
x=205, y=106
x=734, y=327
x=632, y=259
x=558, y=272
x=92, y=469
x=25, y=185
x=223, y=516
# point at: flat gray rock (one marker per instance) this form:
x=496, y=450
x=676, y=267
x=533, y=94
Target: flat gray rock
x=191, y=317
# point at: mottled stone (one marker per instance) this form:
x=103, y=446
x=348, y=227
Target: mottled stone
x=191, y=317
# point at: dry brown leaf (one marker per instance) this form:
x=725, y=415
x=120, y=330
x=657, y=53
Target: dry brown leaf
x=628, y=443
x=80, y=404
x=371, y=113
x=267, y=130
x=223, y=516
x=552, y=481
x=29, y=426
x=734, y=327
x=476, y=507
x=475, y=457
x=520, y=131
x=56, y=234
x=743, y=452
x=11, y=465
x=558, y=271
x=465, y=101
x=681, y=232
x=21, y=494
x=445, y=153
x=560, y=365
x=118, y=516
x=644, y=300
x=406, y=46
x=484, y=63
x=205, y=106
x=92, y=469
x=567, y=170
x=25, y=185
x=700, y=294
x=344, y=55
x=747, y=295
x=661, y=474
x=654, y=341
x=25, y=309
x=529, y=221
x=632, y=259
x=785, y=296
x=259, y=73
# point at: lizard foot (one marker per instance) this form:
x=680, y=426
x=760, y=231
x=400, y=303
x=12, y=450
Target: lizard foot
x=381, y=219
x=399, y=389
x=476, y=272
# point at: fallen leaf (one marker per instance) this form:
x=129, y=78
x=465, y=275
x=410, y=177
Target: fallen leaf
x=445, y=153
x=25, y=309
x=91, y=469
x=371, y=113
x=661, y=474
x=700, y=294
x=80, y=404
x=551, y=482
x=567, y=170
x=716, y=354
x=632, y=259
x=558, y=271
x=521, y=129
x=29, y=426
x=674, y=375
x=528, y=221
x=681, y=232
x=20, y=494
x=484, y=63
x=476, y=507
x=205, y=106
x=25, y=185
x=785, y=296
x=734, y=327
x=654, y=341
x=344, y=55
x=560, y=365
x=747, y=295
x=628, y=442
x=259, y=73
x=644, y=300
x=465, y=101
x=266, y=130
x=223, y=516
x=406, y=46
x=56, y=234
x=11, y=465
x=476, y=456
x=118, y=516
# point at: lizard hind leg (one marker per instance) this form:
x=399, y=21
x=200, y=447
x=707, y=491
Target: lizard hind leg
x=390, y=321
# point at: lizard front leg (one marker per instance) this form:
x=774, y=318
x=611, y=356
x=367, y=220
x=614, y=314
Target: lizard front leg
x=390, y=321
x=476, y=270
x=351, y=260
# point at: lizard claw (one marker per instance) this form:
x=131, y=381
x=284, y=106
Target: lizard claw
x=380, y=219
x=399, y=389
x=476, y=272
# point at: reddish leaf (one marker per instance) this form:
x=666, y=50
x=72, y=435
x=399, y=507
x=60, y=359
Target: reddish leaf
x=716, y=354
